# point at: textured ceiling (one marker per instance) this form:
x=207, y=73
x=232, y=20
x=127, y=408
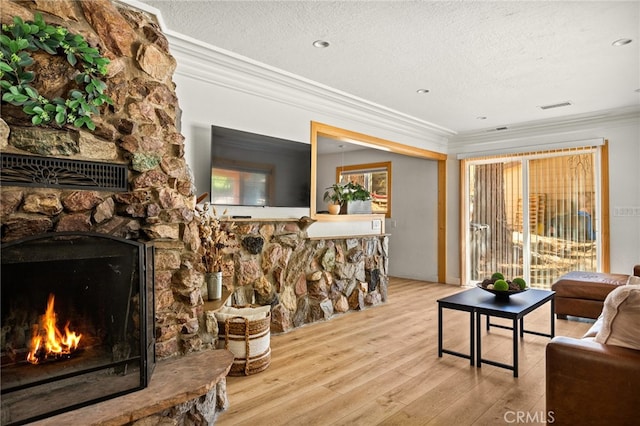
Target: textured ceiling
x=499, y=60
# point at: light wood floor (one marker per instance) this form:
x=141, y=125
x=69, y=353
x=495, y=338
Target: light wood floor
x=381, y=367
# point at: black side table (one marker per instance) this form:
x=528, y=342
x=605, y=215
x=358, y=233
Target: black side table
x=479, y=302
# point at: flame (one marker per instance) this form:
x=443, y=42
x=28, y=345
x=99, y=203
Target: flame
x=48, y=341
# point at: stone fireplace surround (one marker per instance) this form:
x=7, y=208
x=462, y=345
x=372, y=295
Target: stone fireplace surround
x=272, y=261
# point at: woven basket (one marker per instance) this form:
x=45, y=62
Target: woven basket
x=250, y=343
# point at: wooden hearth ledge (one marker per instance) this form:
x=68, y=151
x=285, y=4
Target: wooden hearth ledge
x=174, y=381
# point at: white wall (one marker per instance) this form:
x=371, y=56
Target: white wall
x=413, y=244
x=624, y=191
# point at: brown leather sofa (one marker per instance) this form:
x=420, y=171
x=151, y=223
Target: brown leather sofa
x=582, y=294
x=595, y=380
x=588, y=383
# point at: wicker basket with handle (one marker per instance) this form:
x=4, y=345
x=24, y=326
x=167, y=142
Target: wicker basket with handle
x=250, y=342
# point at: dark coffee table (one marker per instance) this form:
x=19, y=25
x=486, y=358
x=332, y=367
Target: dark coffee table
x=479, y=302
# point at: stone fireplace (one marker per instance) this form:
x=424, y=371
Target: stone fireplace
x=89, y=239
x=138, y=133
x=96, y=285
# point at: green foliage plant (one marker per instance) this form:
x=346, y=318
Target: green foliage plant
x=334, y=194
x=356, y=192
x=18, y=40
x=338, y=193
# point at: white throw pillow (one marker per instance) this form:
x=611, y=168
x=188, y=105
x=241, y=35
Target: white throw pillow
x=633, y=280
x=621, y=318
x=595, y=328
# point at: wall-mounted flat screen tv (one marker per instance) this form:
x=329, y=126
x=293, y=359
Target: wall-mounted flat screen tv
x=249, y=169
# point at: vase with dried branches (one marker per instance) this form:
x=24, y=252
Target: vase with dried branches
x=215, y=236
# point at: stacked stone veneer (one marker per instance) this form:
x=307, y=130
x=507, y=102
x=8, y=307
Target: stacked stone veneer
x=138, y=130
x=304, y=280
x=270, y=262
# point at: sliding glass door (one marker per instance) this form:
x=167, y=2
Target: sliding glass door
x=533, y=215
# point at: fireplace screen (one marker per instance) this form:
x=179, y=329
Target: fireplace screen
x=77, y=322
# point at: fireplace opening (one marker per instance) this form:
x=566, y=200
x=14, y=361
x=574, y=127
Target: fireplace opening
x=77, y=322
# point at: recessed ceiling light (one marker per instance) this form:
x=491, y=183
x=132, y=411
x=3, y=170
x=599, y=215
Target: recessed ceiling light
x=321, y=44
x=422, y=91
x=481, y=117
x=621, y=42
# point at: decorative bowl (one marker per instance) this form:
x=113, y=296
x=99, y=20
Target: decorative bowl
x=503, y=294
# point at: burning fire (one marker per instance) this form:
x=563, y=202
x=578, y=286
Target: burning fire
x=48, y=341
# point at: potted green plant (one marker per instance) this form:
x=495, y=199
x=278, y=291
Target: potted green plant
x=334, y=196
x=357, y=199
x=352, y=197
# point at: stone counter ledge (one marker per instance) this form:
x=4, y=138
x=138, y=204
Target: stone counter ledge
x=198, y=378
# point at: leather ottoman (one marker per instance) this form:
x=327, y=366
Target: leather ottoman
x=582, y=294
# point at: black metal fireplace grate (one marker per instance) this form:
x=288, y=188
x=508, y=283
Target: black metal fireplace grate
x=103, y=288
x=34, y=171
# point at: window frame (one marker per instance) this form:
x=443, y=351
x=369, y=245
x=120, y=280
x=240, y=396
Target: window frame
x=599, y=149
x=361, y=169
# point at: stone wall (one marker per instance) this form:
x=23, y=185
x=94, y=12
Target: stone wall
x=273, y=262
x=138, y=130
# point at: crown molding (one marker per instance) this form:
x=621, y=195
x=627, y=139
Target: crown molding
x=515, y=134
x=213, y=65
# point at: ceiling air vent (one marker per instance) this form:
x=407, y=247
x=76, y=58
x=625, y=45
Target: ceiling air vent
x=497, y=129
x=558, y=105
